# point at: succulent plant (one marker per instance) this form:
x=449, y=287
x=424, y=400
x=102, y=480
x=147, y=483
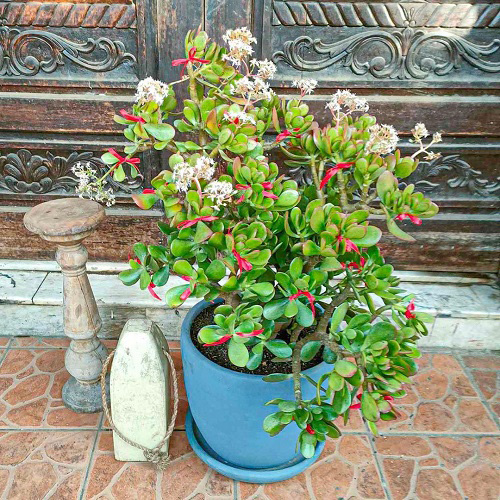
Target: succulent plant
x=298, y=267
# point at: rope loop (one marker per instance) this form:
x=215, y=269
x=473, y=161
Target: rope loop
x=153, y=455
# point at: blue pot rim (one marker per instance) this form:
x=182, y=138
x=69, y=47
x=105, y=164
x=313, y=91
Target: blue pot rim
x=186, y=335
x=261, y=476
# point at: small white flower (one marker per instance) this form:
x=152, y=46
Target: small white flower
x=252, y=90
x=238, y=117
x=151, y=90
x=266, y=69
x=419, y=131
x=436, y=137
x=90, y=185
x=305, y=85
x=204, y=167
x=239, y=42
x=346, y=99
x=183, y=175
x=220, y=192
x=383, y=139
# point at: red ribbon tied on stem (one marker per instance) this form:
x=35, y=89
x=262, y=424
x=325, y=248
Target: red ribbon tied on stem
x=243, y=264
x=187, y=292
x=131, y=118
x=332, y=171
x=310, y=298
x=286, y=133
x=192, y=222
x=122, y=159
x=225, y=338
x=190, y=59
x=413, y=218
x=349, y=245
x=409, y=310
x=266, y=194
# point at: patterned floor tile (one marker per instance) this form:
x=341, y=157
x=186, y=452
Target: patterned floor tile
x=31, y=382
x=441, y=399
x=345, y=469
x=451, y=467
x=185, y=477
x=37, y=464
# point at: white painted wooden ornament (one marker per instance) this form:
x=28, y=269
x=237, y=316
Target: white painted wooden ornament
x=140, y=389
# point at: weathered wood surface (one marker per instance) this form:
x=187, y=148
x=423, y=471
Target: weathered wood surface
x=67, y=222
x=449, y=242
x=434, y=61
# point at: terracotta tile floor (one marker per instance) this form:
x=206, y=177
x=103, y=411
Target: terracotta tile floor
x=446, y=444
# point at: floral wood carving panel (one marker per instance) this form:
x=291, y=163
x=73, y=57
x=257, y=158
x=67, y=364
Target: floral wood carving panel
x=25, y=172
x=363, y=43
x=453, y=172
x=30, y=52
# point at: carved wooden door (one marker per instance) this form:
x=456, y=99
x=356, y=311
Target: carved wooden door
x=66, y=66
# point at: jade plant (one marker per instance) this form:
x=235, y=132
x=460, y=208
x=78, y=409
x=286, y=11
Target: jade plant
x=298, y=266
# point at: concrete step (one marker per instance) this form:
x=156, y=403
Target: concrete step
x=466, y=307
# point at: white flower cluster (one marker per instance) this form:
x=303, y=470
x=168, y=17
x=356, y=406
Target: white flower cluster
x=383, y=139
x=184, y=174
x=220, y=192
x=344, y=100
x=252, y=90
x=419, y=131
x=266, y=69
x=151, y=90
x=239, y=117
x=239, y=42
x=305, y=85
x=90, y=186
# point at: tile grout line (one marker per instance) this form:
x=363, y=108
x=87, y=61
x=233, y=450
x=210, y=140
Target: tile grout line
x=378, y=465
x=6, y=350
x=472, y=380
x=91, y=458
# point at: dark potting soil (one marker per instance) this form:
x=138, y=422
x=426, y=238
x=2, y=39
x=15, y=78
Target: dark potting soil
x=218, y=353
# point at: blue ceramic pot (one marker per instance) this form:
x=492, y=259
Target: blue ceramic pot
x=228, y=407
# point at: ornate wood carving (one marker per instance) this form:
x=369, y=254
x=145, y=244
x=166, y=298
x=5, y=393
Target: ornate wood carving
x=465, y=176
x=384, y=15
x=404, y=54
x=67, y=14
x=24, y=172
x=31, y=51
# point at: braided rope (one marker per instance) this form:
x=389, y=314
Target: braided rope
x=154, y=455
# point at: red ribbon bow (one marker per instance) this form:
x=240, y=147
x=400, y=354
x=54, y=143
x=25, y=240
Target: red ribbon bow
x=409, y=310
x=266, y=194
x=225, y=338
x=122, y=159
x=190, y=59
x=413, y=218
x=131, y=118
x=357, y=406
x=189, y=223
x=243, y=264
x=152, y=292
x=286, y=133
x=148, y=191
x=310, y=298
x=349, y=245
x=332, y=171
x=354, y=265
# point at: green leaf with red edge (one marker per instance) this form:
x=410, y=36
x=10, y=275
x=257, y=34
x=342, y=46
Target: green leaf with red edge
x=144, y=201
x=397, y=231
x=369, y=407
x=345, y=368
x=172, y=297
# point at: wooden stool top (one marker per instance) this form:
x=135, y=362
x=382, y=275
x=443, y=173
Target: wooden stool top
x=65, y=219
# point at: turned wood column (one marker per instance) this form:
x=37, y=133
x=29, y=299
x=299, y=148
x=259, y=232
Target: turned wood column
x=67, y=222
